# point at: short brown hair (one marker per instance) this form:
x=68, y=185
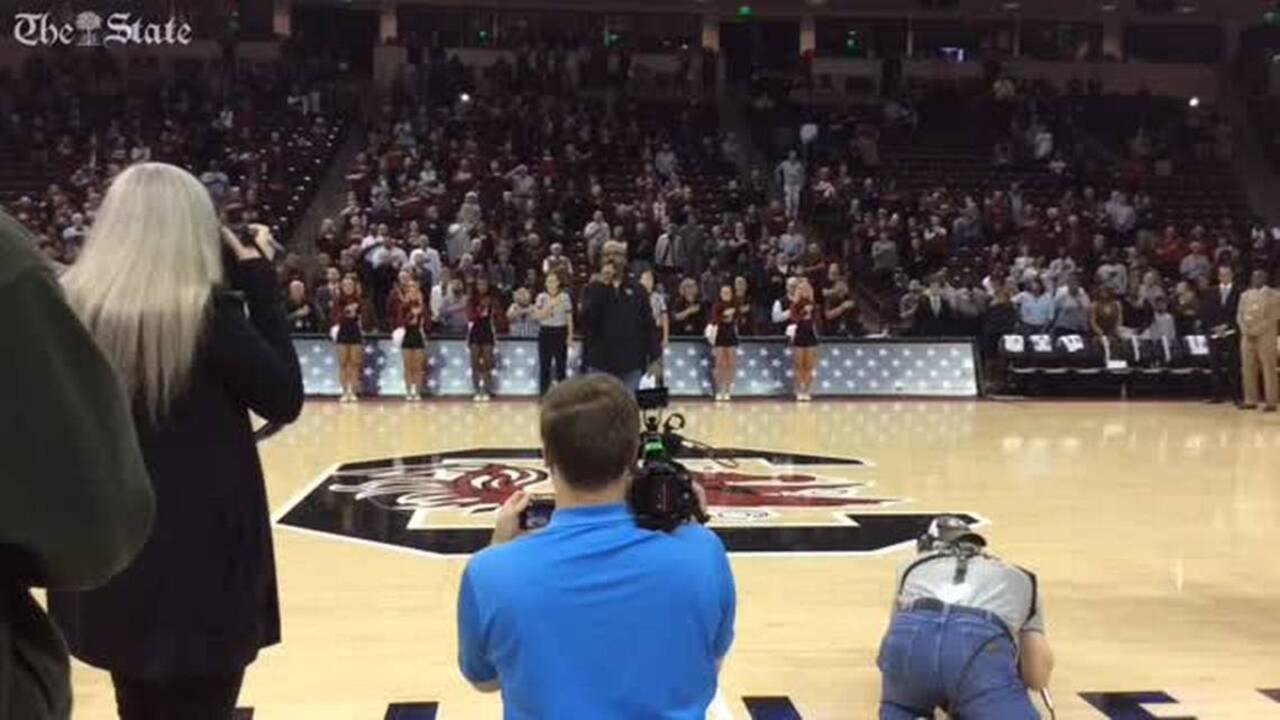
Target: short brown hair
x=590, y=430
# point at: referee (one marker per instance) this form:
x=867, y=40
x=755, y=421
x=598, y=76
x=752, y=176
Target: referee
x=967, y=633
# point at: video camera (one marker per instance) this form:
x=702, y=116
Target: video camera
x=662, y=495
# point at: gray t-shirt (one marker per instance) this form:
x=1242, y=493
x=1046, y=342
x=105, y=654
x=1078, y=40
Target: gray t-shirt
x=989, y=584
x=561, y=307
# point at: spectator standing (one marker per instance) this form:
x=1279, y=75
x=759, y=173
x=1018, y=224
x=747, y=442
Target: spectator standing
x=688, y=313
x=791, y=178
x=1071, y=308
x=1035, y=307
x=451, y=310
x=299, y=309
x=179, y=626
x=78, y=500
x=1107, y=315
x=554, y=314
x=326, y=294
x=1163, y=326
x=520, y=315
x=840, y=312
x=933, y=313
x=1257, y=318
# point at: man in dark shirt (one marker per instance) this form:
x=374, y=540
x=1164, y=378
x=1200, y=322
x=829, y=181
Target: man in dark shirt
x=618, y=334
x=77, y=499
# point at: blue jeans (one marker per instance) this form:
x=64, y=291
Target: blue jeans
x=964, y=664
x=630, y=379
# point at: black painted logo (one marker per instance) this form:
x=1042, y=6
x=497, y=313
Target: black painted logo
x=760, y=502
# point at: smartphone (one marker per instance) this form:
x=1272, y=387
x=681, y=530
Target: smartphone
x=537, y=514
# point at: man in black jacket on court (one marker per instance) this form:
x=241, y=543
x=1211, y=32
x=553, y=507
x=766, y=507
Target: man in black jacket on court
x=77, y=500
x=1218, y=307
x=619, y=336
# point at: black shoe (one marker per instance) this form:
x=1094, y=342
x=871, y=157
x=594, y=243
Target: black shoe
x=1269, y=408
x=1247, y=406
x=1214, y=401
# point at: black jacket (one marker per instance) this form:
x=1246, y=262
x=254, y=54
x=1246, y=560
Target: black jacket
x=201, y=597
x=618, y=332
x=927, y=324
x=76, y=501
x=1214, y=312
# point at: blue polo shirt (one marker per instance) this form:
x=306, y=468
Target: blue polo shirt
x=593, y=617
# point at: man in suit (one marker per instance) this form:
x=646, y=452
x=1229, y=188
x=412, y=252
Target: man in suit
x=933, y=313
x=1258, y=318
x=1218, y=307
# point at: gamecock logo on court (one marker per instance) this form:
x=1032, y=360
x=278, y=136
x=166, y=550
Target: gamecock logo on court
x=759, y=502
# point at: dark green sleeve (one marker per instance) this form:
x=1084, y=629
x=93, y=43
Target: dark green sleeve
x=77, y=501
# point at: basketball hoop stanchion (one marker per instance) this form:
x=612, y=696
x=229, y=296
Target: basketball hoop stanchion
x=1047, y=698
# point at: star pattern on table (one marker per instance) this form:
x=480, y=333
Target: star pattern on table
x=867, y=368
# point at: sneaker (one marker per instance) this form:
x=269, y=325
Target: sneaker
x=806, y=397
x=477, y=398
x=1248, y=406
x=486, y=397
x=1269, y=408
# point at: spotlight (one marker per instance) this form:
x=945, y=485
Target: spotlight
x=464, y=98
x=1194, y=102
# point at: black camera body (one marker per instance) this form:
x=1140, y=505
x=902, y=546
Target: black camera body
x=662, y=495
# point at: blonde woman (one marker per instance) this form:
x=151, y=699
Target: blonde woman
x=803, y=333
x=178, y=627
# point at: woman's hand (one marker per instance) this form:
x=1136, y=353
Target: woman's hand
x=263, y=246
x=242, y=251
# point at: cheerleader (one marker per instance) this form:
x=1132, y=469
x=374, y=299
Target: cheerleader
x=482, y=307
x=350, y=310
x=724, y=342
x=411, y=324
x=804, y=339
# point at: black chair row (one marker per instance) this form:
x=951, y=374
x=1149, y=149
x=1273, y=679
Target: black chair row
x=1043, y=354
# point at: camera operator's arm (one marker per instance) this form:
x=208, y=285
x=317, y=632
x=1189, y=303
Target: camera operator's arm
x=473, y=659
x=1036, y=660
x=728, y=610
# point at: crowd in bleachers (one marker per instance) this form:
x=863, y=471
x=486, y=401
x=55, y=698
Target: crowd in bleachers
x=259, y=136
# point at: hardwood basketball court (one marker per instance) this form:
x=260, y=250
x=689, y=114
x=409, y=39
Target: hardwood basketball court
x=1153, y=528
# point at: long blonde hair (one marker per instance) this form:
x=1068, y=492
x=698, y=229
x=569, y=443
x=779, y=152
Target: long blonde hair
x=144, y=282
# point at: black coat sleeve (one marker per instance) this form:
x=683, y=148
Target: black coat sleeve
x=77, y=500
x=254, y=355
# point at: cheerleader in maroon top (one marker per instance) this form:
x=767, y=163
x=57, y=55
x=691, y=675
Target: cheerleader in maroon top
x=804, y=339
x=350, y=311
x=482, y=309
x=724, y=318
x=410, y=318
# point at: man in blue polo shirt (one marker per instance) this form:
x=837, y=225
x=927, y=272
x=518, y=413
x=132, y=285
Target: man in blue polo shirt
x=594, y=617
